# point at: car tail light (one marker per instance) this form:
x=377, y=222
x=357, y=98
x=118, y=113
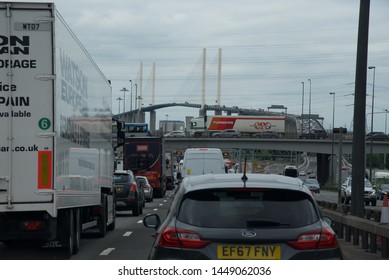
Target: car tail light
x=320, y=239
x=133, y=187
x=180, y=238
x=32, y=226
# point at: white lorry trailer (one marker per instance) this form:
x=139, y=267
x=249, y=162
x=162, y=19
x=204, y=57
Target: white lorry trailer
x=201, y=126
x=56, y=153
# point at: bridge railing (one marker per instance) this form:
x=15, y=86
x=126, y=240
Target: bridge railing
x=366, y=232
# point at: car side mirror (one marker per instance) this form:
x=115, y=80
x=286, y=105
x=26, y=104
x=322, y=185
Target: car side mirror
x=329, y=221
x=152, y=221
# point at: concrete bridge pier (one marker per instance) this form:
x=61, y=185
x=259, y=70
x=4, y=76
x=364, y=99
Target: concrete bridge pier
x=153, y=120
x=323, y=167
x=202, y=112
x=140, y=117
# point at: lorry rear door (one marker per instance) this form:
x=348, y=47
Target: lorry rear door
x=26, y=105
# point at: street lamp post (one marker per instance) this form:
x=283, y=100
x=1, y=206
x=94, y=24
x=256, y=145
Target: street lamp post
x=309, y=110
x=136, y=94
x=131, y=95
x=371, y=126
x=139, y=101
x=124, y=98
x=333, y=137
x=386, y=121
x=302, y=111
x=119, y=98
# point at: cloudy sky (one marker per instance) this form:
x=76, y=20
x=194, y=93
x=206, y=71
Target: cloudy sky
x=269, y=49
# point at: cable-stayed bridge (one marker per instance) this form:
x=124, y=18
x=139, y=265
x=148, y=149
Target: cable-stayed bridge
x=194, y=93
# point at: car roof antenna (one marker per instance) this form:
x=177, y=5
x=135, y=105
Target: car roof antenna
x=244, y=177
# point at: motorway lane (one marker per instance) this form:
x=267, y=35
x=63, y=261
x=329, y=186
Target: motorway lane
x=129, y=240
x=332, y=196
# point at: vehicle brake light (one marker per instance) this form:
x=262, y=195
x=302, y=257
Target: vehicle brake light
x=32, y=225
x=180, y=238
x=133, y=187
x=324, y=239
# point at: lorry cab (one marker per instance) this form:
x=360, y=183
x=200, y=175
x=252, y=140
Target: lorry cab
x=199, y=161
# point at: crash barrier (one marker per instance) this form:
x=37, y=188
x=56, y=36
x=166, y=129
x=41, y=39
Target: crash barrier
x=366, y=232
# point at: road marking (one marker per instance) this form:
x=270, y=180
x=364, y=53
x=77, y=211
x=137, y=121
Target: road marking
x=140, y=221
x=155, y=209
x=161, y=204
x=128, y=233
x=165, y=201
x=106, y=251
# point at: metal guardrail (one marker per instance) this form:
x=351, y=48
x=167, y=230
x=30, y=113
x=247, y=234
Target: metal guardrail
x=366, y=232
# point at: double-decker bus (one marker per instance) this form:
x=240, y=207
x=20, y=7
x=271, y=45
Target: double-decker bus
x=145, y=157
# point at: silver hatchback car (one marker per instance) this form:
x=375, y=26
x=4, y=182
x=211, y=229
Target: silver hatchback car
x=370, y=195
x=227, y=133
x=225, y=216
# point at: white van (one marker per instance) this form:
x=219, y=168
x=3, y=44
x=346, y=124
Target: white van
x=199, y=161
x=291, y=171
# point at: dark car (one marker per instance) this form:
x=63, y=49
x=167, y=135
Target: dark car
x=314, y=134
x=377, y=136
x=383, y=190
x=225, y=216
x=227, y=133
x=266, y=134
x=129, y=194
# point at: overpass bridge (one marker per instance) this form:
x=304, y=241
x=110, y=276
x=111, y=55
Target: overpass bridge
x=322, y=148
x=139, y=115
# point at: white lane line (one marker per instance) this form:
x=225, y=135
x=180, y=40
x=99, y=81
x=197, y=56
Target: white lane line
x=106, y=251
x=127, y=233
x=161, y=204
x=155, y=209
x=140, y=221
x=165, y=201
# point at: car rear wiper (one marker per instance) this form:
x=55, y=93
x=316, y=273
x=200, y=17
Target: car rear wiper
x=264, y=223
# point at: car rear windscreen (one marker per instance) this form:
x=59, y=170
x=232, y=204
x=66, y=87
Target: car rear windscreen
x=122, y=178
x=242, y=207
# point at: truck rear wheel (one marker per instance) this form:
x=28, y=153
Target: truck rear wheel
x=102, y=220
x=77, y=231
x=66, y=231
x=112, y=225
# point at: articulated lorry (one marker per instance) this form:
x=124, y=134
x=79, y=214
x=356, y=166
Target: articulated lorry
x=202, y=126
x=56, y=153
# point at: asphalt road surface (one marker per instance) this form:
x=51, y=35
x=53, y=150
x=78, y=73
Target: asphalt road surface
x=129, y=241
x=132, y=241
